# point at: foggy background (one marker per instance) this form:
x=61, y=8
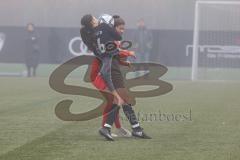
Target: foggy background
x=158, y=14
x=171, y=23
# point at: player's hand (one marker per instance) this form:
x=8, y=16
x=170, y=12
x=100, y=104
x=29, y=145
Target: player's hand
x=129, y=64
x=118, y=100
x=132, y=54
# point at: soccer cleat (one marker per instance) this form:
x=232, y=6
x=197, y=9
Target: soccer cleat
x=122, y=132
x=140, y=134
x=105, y=132
x=114, y=135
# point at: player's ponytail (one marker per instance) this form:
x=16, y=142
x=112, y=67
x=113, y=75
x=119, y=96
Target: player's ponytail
x=87, y=32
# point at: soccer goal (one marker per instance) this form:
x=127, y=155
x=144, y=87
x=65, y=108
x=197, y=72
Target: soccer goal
x=216, y=41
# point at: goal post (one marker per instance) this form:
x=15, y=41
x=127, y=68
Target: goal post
x=216, y=34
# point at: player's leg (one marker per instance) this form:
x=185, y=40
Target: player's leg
x=107, y=78
x=106, y=109
x=111, y=116
x=121, y=131
x=100, y=84
x=137, y=130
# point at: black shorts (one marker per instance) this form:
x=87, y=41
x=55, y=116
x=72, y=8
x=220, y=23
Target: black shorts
x=118, y=81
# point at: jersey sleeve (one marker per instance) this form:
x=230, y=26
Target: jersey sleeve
x=125, y=53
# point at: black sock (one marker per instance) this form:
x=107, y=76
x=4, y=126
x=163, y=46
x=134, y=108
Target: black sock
x=111, y=116
x=131, y=116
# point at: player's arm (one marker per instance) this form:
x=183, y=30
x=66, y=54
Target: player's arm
x=126, y=53
x=124, y=63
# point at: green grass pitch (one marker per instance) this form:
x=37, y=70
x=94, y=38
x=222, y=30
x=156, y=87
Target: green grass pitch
x=30, y=130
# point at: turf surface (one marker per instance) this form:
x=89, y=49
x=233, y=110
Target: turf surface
x=30, y=130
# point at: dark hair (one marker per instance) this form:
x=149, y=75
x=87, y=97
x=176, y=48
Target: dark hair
x=116, y=16
x=118, y=21
x=87, y=32
x=86, y=20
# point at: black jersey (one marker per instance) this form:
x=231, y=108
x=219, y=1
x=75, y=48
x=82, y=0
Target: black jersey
x=104, y=34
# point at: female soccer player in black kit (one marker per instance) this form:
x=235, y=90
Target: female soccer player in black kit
x=96, y=36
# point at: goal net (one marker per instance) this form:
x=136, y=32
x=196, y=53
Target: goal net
x=216, y=41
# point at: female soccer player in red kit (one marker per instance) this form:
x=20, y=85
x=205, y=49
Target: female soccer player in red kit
x=97, y=37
